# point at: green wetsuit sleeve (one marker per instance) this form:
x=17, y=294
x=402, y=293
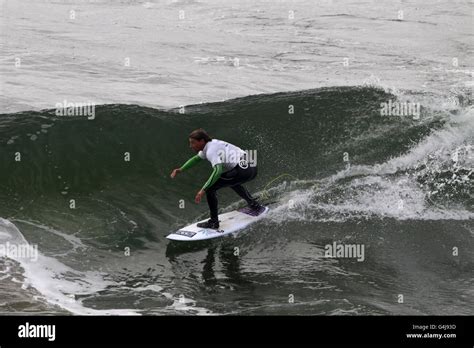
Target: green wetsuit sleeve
x=191, y=162
x=216, y=173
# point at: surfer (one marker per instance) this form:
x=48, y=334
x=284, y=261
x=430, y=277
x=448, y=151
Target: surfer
x=229, y=169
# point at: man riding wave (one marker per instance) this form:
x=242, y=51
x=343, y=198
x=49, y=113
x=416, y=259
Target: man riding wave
x=229, y=169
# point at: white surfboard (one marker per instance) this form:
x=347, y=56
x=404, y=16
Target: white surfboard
x=228, y=223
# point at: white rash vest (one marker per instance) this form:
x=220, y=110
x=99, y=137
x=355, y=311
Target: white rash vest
x=218, y=151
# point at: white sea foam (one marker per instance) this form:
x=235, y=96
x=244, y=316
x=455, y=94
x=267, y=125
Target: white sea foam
x=57, y=283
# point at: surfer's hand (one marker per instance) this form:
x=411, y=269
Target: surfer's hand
x=199, y=196
x=175, y=172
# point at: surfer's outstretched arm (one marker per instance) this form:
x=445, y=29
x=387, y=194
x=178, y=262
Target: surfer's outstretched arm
x=191, y=162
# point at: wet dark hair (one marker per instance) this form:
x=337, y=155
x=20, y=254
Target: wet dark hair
x=200, y=134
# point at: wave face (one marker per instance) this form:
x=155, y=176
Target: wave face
x=86, y=191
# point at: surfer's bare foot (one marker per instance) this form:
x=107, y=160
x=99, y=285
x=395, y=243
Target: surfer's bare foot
x=209, y=224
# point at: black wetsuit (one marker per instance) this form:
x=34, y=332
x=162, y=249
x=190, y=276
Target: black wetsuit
x=234, y=179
